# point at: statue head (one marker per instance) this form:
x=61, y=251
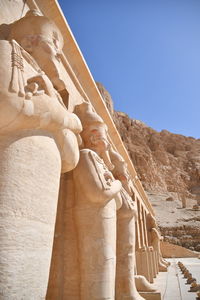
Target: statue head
x=94, y=134
x=40, y=37
x=121, y=172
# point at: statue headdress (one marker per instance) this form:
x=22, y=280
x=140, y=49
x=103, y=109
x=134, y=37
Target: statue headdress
x=90, y=120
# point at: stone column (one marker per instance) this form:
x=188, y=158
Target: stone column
x=37, y=132
x=152, y=263
x=144, y=225
x=142, y=260
x=155, y=263
x=150, y=251
x=29, y=183
x=64, y=279
x=141, y=225
x=154, y=241
x=138, y=243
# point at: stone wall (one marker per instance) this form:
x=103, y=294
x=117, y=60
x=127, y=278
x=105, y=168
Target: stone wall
x=170, y=250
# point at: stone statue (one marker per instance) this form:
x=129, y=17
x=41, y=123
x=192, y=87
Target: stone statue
x=143, y=285
x=38, y=139
x=96, y=201
x=27, y=95
x=154, y=238
x=126, y=217
x=120, y=172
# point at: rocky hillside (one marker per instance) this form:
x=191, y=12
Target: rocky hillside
x=169, y=168
x=165, y=162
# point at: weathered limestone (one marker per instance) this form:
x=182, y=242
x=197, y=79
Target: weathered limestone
x=95, y=210
x=143, y=285
x=28, y=99
x=37, y=139
x=142, y=257
x=64, y=278
x=143, y=264
x=154, y=241
x=126, y=217
x=28, y=208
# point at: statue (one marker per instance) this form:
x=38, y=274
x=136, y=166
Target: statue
x=96, y=200
x=143, y=285
x=27, y=94
x=154, y=241
x=126, y=217
x=38, y=140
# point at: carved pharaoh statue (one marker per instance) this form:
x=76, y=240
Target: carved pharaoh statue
x=126, y=217
x=38, y=138
x=154, y=238
x=96, y=201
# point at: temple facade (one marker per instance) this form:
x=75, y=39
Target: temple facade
x=76, y=222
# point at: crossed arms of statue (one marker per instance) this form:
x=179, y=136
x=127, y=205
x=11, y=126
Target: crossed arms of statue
x=27, y=96
x=95, y=183
x=28, y=100
x=43, y=109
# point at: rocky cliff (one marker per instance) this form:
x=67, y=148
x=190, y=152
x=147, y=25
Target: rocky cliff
x=168, y=166
x=165, y=162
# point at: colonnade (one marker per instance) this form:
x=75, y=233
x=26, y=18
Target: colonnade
x=67, y=182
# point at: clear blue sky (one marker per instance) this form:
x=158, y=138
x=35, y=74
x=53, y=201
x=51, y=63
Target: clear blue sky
x=147, y=55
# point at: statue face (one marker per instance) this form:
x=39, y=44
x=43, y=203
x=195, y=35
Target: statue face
x=99, y=140
x=123, y=175
x=46, y=51
x=42, y=39
x=122, y=171
x=51, y=46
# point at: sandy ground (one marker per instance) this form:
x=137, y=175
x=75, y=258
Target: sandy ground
x=171, y=213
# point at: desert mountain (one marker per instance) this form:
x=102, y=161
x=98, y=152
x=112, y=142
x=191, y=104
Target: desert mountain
x=168, y=166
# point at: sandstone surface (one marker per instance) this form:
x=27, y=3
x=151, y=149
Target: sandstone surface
x=67, y=214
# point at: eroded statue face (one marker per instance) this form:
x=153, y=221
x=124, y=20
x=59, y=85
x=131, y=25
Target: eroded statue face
x=46, y=51
x=42, y=39
x=121, y=173
x=96, y=139
x=99, y=140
